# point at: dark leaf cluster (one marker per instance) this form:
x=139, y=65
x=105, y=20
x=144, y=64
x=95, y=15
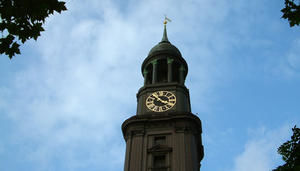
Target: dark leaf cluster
x=292, y=12
x=290, y=152
x=21, y=20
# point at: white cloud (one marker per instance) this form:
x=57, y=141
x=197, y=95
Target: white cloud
x=293, y=59
x=288, y=66
x=260, y=151
x=69, y=106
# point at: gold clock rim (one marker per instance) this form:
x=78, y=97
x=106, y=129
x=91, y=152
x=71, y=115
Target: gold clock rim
x=161, y=91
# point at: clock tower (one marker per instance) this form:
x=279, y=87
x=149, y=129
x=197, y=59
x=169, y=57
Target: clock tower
x=163, y=135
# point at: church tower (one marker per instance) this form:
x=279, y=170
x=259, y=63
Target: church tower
x=163, y=135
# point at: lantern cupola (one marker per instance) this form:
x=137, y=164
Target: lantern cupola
x=164, y=63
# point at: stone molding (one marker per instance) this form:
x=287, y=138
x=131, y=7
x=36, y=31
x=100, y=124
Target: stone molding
x=180, y=122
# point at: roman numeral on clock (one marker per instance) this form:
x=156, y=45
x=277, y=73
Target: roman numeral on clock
x=160, y=101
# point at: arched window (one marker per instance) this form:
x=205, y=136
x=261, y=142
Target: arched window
x=162, y=71
x=149, y=70
x=175, y=71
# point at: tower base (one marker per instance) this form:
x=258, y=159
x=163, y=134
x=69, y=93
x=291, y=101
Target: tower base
x=163, y=142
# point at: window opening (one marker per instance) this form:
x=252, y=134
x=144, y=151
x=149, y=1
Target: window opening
x=162, y=71
x=159, y=163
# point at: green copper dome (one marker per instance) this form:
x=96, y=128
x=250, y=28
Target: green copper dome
x=164, y=46
x=164, y=49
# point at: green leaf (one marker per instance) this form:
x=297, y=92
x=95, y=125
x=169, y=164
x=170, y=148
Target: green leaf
x=23, y=19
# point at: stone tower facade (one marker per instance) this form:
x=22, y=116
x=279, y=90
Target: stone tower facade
x=163, y=135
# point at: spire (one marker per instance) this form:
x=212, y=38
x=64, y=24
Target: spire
x=165, y=36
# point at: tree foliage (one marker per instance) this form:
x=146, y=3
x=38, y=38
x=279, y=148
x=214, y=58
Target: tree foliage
x=291, y=12
x=21, y=20
x=290, y=152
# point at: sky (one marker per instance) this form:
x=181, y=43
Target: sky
x=63, y=100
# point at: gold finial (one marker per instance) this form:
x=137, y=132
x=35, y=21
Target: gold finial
x=166, y=20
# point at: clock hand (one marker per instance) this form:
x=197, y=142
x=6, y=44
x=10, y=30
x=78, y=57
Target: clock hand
x=159, y=99
x=156, y=97
x=164, y=101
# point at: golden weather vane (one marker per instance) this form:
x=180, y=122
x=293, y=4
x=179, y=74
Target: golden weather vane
x=166, y=20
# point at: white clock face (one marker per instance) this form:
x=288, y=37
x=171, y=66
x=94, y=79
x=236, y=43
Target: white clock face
x=160, y=101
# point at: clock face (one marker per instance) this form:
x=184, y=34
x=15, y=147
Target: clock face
x=160, y=101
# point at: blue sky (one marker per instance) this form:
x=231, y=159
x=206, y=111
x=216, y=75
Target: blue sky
x=63, y=100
